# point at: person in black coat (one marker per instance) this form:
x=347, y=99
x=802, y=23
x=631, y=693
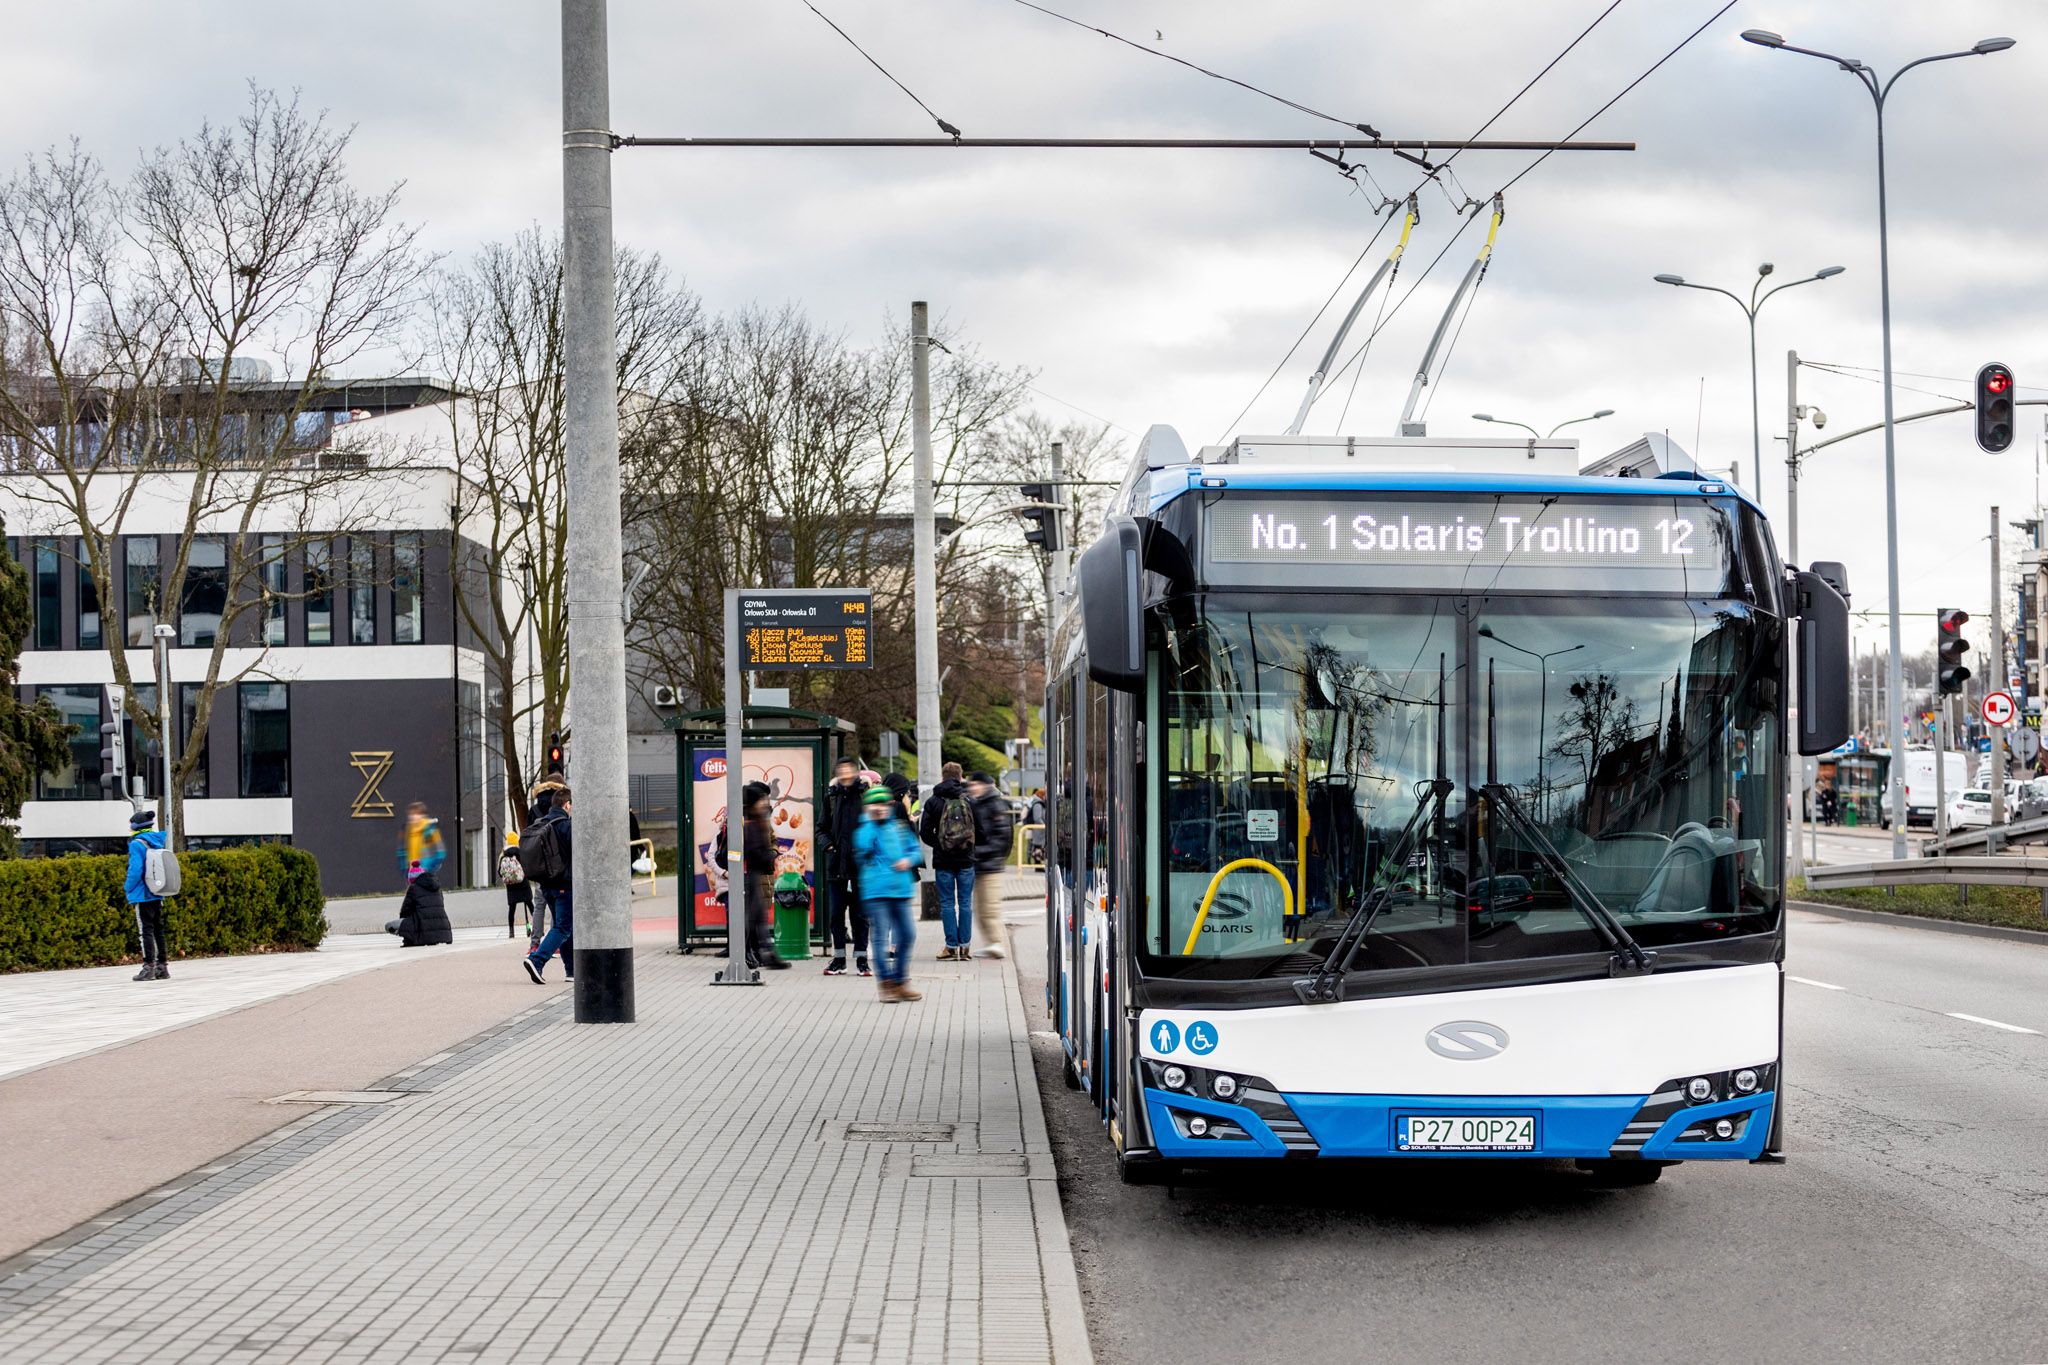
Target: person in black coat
x=841, y=816
x=423, y=917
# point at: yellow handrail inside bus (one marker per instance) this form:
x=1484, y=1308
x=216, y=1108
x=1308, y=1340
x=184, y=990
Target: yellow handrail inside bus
x=1209, y=899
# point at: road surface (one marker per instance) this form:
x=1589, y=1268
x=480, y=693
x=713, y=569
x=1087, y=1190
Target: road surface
x=1908, y=1223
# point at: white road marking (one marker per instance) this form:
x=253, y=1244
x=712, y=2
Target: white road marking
x=1809, y=981
x=1992, y=1023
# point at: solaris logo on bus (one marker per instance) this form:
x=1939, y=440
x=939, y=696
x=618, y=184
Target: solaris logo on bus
x=1467, y=1040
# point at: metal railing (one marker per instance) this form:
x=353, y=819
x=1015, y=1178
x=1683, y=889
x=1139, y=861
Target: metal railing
x=1021, y=849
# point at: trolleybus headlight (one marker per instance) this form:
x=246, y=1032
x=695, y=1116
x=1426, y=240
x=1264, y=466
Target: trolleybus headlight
x=1699, y=1089
x=1745, y=1080
x=1723, y=1128
x=1174, y=1077
x=1198, y=1126
x=1224, y=1086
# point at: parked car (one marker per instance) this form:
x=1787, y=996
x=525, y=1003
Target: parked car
x=1970, y=808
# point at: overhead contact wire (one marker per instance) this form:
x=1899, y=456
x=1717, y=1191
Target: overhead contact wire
x=948, y=129
x=1313, y=112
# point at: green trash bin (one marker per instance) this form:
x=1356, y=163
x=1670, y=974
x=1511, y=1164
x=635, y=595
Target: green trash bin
x=1849, y=814
x=792, y=897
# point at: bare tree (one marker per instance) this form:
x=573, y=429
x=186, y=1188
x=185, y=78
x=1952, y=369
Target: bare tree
x=140, y=327
x=496, y=330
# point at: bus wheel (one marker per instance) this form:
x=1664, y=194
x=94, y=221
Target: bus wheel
x=1069, y=1072
x=1609, y=1174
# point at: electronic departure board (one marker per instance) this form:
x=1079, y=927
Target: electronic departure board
x=1494, y=541
x=802, y=630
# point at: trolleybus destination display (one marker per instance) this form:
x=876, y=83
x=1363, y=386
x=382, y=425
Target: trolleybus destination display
x=804, y=630
x=1647, y=542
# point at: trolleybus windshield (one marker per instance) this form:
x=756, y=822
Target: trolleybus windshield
x=1294, y=736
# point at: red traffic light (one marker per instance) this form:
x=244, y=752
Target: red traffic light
x=1998, y=381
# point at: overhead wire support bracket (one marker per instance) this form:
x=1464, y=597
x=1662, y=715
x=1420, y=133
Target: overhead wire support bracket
x=1250, y=144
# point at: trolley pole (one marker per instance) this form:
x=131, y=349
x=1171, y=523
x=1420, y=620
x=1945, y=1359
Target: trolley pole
x=930, y=739
x=601, y=884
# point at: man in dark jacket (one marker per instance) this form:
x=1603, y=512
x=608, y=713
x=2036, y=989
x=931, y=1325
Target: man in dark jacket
x=555, y=891
x=757, y=860
x=423, y=918
x=948, y=827
x=842, y=816
x=991, y=852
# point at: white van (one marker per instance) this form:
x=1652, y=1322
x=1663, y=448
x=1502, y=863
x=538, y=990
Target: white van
x=1919, y=775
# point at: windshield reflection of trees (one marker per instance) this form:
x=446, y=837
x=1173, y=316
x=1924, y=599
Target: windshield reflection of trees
x=1652, y=778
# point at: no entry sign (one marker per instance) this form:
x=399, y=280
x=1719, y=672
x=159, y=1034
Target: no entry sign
x=1998, y=708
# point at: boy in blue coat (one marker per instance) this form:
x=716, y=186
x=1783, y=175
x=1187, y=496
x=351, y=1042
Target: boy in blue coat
x=149, y=910
x=885, y=851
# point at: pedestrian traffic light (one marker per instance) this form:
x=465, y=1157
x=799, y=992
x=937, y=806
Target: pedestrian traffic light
x=556, y=752
x=113, y=762
x=1044, y=531
x=1951, y=646
x=1994, y=407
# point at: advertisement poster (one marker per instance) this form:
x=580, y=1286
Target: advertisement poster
x=790, y=780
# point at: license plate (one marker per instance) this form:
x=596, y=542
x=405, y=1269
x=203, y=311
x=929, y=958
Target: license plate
x=1465, y=1132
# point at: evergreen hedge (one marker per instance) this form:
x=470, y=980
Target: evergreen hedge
x=71, y=911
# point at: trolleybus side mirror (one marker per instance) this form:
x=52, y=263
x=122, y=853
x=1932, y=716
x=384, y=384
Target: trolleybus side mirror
x=1109, y=579
x=1823, y=627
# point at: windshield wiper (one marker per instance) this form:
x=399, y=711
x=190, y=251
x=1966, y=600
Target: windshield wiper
x=1326, y=987
x=1630, y=957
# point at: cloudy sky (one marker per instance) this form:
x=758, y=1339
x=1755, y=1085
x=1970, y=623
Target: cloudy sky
x=1167, y=286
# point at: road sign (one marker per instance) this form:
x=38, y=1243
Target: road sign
x=804, y=630
x=1998, y=708
x=2025, y=742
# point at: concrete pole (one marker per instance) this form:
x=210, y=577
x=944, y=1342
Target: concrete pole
x=601, y=887
x=1058, y=558
x=1995, y=681
x=924, y=543
x=736, y=971
x=1795, y=766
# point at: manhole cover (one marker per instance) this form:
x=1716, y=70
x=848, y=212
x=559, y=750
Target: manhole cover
x=339, y=1097
x=899, y=1132
x=967, y=1166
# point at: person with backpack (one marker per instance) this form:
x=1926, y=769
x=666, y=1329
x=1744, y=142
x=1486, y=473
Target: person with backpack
x=948, y=825
x=991, y=853
x=842, y=819
x=518, y=890
x=145, y=899
x=545, y=851
x=886, y=855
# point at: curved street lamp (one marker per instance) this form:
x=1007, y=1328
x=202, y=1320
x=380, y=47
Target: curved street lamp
x=1879, y=92
x=1542, y=708
x=1502, y=421
x=1750, y=309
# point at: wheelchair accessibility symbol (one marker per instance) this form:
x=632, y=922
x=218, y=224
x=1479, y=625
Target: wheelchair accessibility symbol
x=1165, y=1037
x=1202, y=1038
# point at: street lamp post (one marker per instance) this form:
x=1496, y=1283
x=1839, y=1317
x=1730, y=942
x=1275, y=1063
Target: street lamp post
x=1895, y=668
x=1589, y=417
x=1750, y=310
x=1542, y=709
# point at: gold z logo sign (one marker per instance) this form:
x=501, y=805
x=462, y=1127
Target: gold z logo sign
x=370, y=802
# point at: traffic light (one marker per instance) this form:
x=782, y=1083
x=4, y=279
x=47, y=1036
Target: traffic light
x=1951, y=646
x=113, y=762
x=1994, y=407
x=556, y=752
x=1044, y=531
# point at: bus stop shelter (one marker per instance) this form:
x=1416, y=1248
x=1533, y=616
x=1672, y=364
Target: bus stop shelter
x=793, y=752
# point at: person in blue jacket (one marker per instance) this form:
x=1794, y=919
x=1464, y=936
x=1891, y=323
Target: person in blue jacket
x=149, y=909
x=885, y=850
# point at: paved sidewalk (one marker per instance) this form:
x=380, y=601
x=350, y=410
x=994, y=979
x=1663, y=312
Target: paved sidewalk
x=48, y=1017
x=787, y=1173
